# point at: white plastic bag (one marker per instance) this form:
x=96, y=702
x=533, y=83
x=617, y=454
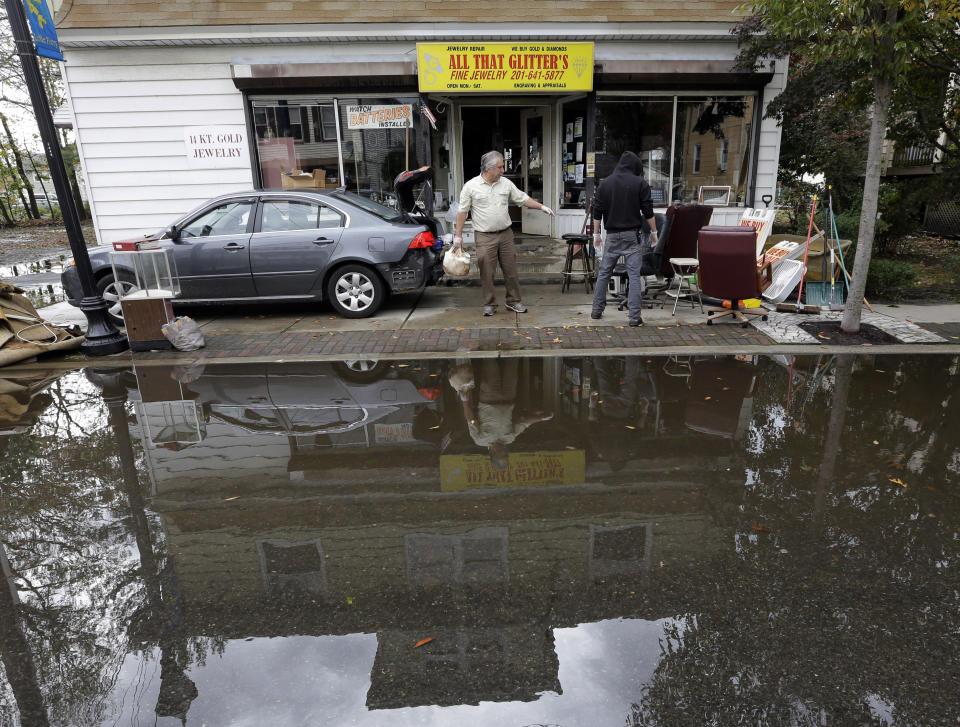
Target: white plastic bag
x=183, y=333
x=456, y=261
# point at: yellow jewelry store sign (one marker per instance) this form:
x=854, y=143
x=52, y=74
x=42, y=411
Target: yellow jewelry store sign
x=518, y=67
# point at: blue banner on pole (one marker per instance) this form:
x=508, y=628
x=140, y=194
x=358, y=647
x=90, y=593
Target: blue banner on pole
x=44, y=34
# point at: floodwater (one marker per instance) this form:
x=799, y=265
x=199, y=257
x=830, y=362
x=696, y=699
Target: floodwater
x=540, y=541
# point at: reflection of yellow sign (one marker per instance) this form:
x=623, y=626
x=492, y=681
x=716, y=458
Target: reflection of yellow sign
x=521, y=67
x=526, y=469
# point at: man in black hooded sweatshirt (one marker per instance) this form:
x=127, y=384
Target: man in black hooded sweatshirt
x=623, y=203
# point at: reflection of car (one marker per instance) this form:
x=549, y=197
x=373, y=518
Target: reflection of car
x=285, y=246
x=294, y=399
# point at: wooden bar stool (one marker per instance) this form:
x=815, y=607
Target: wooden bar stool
x=583, y=255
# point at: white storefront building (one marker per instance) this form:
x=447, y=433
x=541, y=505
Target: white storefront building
x=169, y=115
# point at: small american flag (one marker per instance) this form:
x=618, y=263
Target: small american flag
x=428, y=114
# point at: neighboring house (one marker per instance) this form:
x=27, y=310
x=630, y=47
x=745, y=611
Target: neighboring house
x=174, y=103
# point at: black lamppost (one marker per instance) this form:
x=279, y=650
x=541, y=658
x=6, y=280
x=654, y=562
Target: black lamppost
x=102, y=336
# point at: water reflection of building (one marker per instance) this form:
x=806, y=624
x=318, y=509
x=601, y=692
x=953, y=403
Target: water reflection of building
x=285, y=522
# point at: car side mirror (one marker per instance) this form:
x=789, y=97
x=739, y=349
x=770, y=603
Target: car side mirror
x=173, y=233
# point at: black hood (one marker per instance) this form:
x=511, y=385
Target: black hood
x=630, y=162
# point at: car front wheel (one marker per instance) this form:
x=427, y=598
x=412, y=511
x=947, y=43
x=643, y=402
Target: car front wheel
x=112, y=291
x=355, y=291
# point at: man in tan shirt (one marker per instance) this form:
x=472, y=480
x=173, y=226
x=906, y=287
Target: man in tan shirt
x=487, y=197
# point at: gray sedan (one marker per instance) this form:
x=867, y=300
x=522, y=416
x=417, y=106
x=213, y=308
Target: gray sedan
x=288, y=246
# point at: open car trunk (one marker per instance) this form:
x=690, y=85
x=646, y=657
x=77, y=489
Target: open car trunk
x=417, y=207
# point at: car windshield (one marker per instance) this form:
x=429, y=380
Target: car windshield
x=374, y=208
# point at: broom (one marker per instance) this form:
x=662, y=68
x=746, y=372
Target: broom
x=799, y=307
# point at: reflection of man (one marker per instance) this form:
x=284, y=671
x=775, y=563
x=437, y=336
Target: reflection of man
x=624, y=393
x=622, y=203
x=492, y=422
x=487, y=197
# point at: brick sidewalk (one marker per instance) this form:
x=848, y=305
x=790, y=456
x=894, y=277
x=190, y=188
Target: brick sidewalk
x=455, y=340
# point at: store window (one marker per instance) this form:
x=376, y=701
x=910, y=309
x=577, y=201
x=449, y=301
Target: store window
x=712, y=147
x=573, y=153
x=640, y=125
x=380, y=140
x=297, y=143
x=685, y=143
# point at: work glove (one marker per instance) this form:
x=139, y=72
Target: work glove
x=546, y=210
x=598, y=243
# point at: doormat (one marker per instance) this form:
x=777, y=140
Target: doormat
x=830, y=333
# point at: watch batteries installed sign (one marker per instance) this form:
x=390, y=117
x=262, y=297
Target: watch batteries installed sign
x=379, y=117
x=518, y=67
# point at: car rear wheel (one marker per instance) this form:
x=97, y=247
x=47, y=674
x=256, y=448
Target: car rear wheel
x=361, y=370
x=111, y=291
x=355, y=291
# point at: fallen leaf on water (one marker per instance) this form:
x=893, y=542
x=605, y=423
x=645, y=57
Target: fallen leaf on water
x=759, y=527
x=557, y=340
x=875, y=441
x=706, y=398
x=932, y=489
x=402, y=366
x=349, y=601
x=880, y=371
x=227, y=499
x=461, y=328
x=436, y=427
x=806, y=468
x=630, y=426
x=725, y=388
x=421, y=642
x=898, y=481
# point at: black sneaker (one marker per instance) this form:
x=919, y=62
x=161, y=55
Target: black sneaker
x=636, y=322
x=596, y=316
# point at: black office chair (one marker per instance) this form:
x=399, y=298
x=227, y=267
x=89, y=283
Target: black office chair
x=650, y=266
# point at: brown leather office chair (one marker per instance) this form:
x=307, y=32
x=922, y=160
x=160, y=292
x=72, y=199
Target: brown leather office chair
x=729, y=271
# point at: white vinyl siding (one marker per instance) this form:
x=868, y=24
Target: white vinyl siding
x=131, y=106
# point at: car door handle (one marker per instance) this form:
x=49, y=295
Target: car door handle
x=233, y=246
x=323, y=241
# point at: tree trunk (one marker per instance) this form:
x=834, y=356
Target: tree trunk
x=75, y=189
x=883, y=90
x=33, y=211
x=7, y=218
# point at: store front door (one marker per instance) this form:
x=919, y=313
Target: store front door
x=533, y=222
x=519, y=133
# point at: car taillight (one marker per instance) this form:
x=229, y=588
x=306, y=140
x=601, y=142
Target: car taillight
x=424, y=239
x=432, y=393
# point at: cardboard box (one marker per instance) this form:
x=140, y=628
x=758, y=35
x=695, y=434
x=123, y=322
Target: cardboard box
x=297, y=179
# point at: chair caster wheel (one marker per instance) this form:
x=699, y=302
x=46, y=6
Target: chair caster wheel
x=744, y=325
x=763, y=318
x=709, y=322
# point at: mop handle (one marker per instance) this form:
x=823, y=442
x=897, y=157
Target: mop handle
x=806, y=248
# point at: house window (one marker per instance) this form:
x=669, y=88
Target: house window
x=324, y=123
x=723, y=155
x=617, y=550
x=275, y=122
x=293, y=571
x=479, y=556
x=697, y=149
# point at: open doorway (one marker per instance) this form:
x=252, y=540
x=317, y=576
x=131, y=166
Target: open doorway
x=518, y=132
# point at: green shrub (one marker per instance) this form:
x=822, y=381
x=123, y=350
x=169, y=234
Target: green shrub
x=886, y=276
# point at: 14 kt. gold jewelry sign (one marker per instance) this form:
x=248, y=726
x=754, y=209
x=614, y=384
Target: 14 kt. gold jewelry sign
x=518, y=67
